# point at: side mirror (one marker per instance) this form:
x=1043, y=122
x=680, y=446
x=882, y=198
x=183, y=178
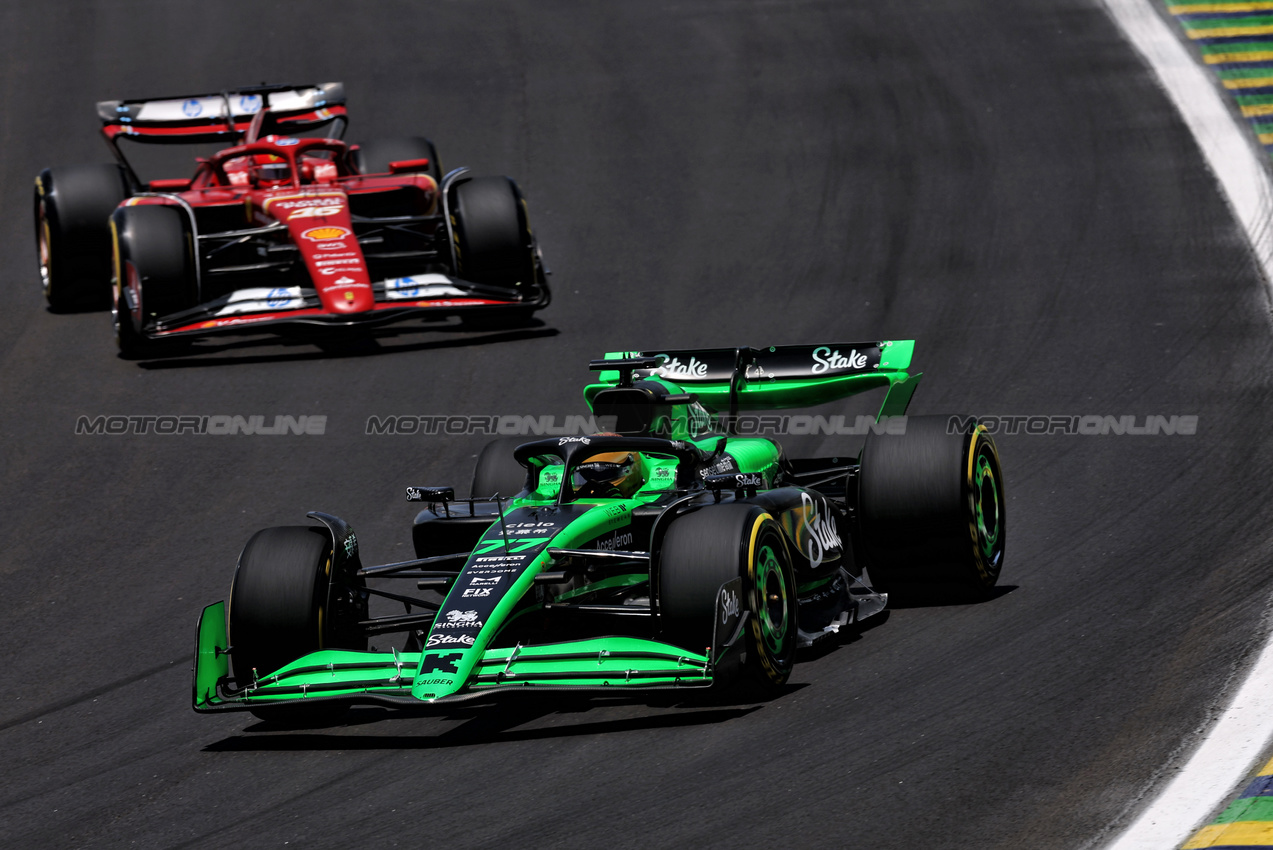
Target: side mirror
x=739, y=482
x=404, y=165
x=430, y=494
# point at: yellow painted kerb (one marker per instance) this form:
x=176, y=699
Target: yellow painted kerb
x=1247, y=56
x=1249, y=83
x=1255, y=833
x=1219, y=8
x=1230, y=32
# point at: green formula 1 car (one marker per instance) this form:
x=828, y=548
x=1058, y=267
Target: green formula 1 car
x=671, y=552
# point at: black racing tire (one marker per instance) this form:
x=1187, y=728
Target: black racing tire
x=277, y=598
x=492, y=238
x=373, y=157
x=279, y=612
x=496, y=471
x=153, y=258
x=73, y=206
x=717, y=544
x=132, y=344
x=931, y=507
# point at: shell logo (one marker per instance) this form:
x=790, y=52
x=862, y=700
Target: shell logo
x=320, y=234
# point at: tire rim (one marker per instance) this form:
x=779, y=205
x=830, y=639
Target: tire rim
x=987, y=505
x=772, y=610
x=46, y=253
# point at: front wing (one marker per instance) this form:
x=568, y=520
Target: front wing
x=607, y=663
x=261, y=310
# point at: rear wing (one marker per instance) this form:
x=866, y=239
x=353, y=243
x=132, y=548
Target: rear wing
x=221, y=115
x=772, y=378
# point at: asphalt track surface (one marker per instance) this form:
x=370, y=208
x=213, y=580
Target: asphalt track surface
x=1000, y=180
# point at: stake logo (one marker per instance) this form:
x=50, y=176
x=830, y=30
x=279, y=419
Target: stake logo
x=824, y=359
x=674, y=368
x=821, y=535
x=729, y=606
x=444, y=640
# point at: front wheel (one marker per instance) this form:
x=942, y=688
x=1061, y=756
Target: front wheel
x=931, y=506
x=492, y=237
x=154, y=272
x=717, y=544
x=282, y=607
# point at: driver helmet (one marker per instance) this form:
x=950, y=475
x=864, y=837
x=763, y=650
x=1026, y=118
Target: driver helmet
x=271, y=170
x=610, y=475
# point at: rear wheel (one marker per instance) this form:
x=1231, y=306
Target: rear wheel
x=715, y=545
x=73, y=206
x=154, y=265
x=279, y=611
x=492, y=239
x=931, y=507
x=373, y=157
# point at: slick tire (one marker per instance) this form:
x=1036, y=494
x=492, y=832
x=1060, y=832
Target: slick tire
x=492, y=238
x=154, y=261
x=278, y=598
x=73, y=206
x=497, y=472
x=373, y=157
x=714, y=545
x=132, y=344
x=931, y=508
x=279, y=612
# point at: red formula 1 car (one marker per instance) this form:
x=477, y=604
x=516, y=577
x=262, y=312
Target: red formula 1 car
x=291, y=227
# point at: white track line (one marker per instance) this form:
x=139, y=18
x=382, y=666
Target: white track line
x=1238, y=739
x=1243, y=731
x=1227, y=150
